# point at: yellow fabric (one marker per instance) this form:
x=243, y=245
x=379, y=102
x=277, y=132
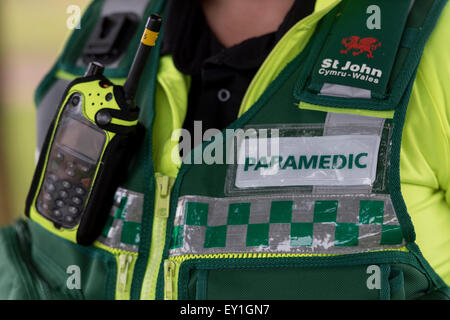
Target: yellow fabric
x=170, y=110
x=362, y=112
x=425, y=153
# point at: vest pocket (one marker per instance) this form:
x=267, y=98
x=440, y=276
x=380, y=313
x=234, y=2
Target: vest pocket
x=71, y=271
x=283, y=279
x=22, y=272
x=282, y=284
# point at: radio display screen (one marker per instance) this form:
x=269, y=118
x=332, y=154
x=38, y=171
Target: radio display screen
x=81, y=138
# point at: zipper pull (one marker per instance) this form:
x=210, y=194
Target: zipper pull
x=164, y=185
x=169, y=278
x=124, y=263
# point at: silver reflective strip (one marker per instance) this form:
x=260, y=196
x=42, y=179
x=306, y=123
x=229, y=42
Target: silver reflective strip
x=122, y=230
x=343, y=123
x=338, y=90
x=285, y=224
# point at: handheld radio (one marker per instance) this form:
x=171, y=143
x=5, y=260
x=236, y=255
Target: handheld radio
x=88, y=148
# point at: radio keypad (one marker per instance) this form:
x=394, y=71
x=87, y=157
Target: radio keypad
x=50, y=187
x=66, y=184
x=57, y=213
x=64, y=194
x=79, y=191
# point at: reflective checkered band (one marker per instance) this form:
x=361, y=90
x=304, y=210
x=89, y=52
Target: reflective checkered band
x=122, y=230
x=285, y=224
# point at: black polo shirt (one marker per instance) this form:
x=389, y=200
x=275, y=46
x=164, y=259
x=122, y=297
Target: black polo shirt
x=219, y=76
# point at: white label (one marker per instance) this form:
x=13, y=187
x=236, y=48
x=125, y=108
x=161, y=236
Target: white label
x=347, y=160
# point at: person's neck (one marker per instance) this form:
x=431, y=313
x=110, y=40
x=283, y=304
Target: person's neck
x=233, y=21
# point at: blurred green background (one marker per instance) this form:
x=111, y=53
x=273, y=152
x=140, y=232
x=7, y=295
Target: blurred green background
x=32, y=34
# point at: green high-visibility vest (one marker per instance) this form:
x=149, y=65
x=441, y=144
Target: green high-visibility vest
x=359, y=115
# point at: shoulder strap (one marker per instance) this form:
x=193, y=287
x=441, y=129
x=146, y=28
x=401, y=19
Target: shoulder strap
x=364, y=56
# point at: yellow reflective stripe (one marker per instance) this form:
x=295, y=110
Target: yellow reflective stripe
x=164, y=186
x=289, y=47
x=371, y=113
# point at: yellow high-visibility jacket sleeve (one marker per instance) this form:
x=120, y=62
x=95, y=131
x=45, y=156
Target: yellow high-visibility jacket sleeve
x=425, y=154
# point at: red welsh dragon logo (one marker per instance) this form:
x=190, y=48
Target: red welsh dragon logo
x=363, y=45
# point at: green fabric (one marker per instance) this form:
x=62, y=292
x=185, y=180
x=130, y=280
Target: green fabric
x=31, y=273
x=289, y=284
x=196, y=213
x=257, y=235
x=130, y=233
x=98, y=267
x=238, y=213
x=391, y=234
x=325, y=211
x=366, y=59
x=215, y=236
x=385, y=288
x=371, y=212
x=20, y=283
x=414, y=22
x=346, y=235
x=301, y=234
x=397, y=284
x=441, y=294
x=281, y=212
x=299, y=279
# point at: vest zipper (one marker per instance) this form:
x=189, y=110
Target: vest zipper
x=170, y=269
x=123, y=276
x=164, y=186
